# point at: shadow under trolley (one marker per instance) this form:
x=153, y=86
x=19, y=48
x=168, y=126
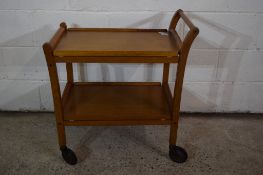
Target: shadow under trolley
x=119, y=103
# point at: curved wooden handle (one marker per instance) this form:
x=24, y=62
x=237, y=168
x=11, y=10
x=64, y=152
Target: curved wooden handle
x=190, y=36
x=179, y=14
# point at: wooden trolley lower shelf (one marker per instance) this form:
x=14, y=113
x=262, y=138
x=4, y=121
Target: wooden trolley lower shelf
x=124, y=103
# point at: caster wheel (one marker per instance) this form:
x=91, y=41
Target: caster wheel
x=68, y=155
x=177, y=154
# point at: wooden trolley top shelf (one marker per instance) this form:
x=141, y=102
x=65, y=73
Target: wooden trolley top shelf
x=116, y=42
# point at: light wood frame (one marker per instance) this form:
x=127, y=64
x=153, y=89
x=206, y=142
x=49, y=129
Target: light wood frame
x=173, y=102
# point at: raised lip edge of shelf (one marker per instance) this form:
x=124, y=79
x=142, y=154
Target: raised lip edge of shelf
x=115, y=122
x=116, y=29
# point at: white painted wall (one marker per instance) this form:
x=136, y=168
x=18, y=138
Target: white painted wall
x=224, y=72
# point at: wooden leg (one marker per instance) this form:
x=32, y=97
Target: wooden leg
x=61, y=135
x=174, y=124
x=177, y=153
x=173, y=133
x=68, y=155
x=166, y=67
x=69, y=68
x=57, y=103
x=165, y=86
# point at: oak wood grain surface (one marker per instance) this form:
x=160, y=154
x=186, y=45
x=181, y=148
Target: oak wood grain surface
x=111, y=43
x=116, y=101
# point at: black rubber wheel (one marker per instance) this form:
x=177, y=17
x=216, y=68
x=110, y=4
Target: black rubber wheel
x=177, y=154
x=68, y=155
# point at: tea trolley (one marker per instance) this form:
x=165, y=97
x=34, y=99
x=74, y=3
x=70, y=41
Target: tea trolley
x=119, y=103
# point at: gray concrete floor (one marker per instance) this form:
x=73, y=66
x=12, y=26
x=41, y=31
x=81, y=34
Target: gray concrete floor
x=216, y=144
